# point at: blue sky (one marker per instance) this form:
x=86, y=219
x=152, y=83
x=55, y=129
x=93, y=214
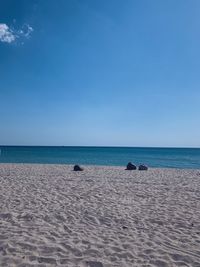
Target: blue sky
x=90, y=72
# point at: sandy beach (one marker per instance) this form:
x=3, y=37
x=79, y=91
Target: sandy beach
x=101, y=217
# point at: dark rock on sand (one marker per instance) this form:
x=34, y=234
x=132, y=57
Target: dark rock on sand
x=142, y=168
x=130, y=166
x=77, y=168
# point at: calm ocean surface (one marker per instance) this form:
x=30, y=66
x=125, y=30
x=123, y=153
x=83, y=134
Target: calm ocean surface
x=119, y=156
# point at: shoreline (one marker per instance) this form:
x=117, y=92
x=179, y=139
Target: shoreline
x=99, y=166
x=104, y=216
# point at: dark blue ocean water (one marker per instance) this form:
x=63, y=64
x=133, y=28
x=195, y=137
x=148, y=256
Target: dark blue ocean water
x=119, y=156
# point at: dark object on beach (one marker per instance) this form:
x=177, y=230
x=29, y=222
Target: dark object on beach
x=130, y=166
x=77, y=168
x=142, y=168
x=94, y=264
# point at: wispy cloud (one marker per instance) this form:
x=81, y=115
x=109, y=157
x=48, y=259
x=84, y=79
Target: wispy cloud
x=25, y=31
x=9, y=35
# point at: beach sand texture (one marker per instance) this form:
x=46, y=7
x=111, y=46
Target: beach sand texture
x=103, y=216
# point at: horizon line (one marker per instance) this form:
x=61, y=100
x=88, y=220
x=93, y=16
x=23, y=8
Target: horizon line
x=96, y=146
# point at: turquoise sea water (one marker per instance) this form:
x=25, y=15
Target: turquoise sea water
x=118, y=156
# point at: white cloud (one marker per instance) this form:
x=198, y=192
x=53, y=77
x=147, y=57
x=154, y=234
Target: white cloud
x=8, y=35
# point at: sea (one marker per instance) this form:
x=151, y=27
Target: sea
x=184, y=158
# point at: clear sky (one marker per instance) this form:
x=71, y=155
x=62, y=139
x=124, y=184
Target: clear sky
x=100, y=72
